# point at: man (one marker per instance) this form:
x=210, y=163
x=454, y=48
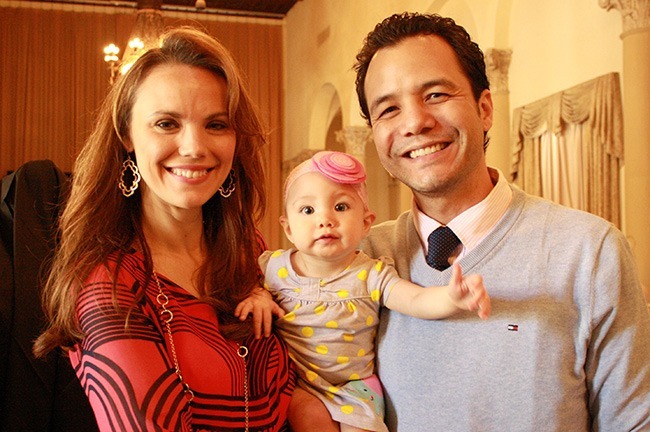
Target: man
x=568, y=345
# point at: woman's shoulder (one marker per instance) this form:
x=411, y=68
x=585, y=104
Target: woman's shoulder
x=122, y=268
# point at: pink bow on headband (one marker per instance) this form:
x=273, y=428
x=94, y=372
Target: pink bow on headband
x=339, y=167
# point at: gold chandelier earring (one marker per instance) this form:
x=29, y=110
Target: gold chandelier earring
x=129, y=178
x=228, y=186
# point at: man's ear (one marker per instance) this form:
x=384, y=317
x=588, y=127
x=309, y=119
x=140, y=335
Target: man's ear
x=284, y=221
x=368, y=219
x=486, y=109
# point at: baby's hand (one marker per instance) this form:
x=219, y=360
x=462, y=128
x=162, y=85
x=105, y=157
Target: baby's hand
x=468, y=293
x=261, y=305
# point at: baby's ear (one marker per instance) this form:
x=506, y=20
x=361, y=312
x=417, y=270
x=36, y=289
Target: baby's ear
x=284, y=221
x=368, y=219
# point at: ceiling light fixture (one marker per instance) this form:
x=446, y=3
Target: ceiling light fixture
x=145, y=34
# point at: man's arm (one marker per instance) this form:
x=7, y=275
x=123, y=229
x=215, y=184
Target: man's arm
x=618, y=360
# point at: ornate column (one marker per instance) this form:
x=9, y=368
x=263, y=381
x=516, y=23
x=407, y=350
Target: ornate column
x=636, y=111
x=497, y=62
x=355, y=139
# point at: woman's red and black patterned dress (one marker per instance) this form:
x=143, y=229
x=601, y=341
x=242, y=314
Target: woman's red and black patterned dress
x=129, y=375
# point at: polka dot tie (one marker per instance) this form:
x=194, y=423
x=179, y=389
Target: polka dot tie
x=442, y=242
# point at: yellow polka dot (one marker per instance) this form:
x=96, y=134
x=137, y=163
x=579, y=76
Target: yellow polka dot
x=363, y=275
x=361, y=352
x=297, y=306
x=354, y=376
x=351, y=307
x=307, y=331
x=348, y=337
x=332, y=324
x=321, y=349
x=313, y=366
x=333, y=389
x=266, y=286
x=283, y=273
x=347, y=409
x=379, y=265
x=297, y=290
x=319, y=309
x=374, y=295
x=311, y=376
x=343, y=293
x=369, y=320
x=290, y=316
x=329, y=395
x=343, y=359
x=322, y=283
x=277, y=253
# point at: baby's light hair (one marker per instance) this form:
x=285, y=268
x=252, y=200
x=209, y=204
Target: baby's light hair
x=336, y=166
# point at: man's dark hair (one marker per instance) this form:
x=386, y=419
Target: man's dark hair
x=398, y=27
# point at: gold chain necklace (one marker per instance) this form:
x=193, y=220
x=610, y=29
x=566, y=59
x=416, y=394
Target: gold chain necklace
x=167, y=316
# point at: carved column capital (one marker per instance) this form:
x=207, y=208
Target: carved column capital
x=635, y=13
x=497, y=65
x=355, y=138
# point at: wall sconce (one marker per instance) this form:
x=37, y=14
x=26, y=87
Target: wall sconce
x=145, y=34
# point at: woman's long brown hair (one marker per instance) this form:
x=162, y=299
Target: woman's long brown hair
x=98, y=220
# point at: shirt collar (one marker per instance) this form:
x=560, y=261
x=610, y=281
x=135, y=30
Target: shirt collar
x=475, y=223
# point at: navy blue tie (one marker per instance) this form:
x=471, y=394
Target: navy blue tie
x=442, y=242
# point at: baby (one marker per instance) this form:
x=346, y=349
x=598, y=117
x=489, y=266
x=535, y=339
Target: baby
x=331, y=292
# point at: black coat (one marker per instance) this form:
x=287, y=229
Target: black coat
x=35, y=394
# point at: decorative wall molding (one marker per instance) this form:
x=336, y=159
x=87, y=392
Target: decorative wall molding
x=355, y=139
x=497, y=65
x=635, y=13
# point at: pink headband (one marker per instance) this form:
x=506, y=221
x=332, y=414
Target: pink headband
x=336, y=166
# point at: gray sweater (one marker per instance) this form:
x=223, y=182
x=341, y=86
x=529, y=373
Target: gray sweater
x=567, y=347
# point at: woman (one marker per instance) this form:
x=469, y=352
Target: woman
x=157, y=247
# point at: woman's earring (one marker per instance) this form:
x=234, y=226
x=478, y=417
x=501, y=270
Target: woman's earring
x=129, y=169
x=228, y=186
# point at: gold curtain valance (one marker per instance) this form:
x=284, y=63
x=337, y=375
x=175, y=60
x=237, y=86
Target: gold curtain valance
x=568, y=147
x=597, y=102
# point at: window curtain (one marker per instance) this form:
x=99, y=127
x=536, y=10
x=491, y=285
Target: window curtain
x=54, y=79
x=568, y=147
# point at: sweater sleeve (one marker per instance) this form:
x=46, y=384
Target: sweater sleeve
x=617, y=361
